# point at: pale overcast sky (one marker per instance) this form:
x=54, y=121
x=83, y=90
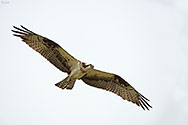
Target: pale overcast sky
x=143, y=41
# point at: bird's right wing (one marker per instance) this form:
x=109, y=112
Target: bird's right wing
x=47, y=48
x=114, y=83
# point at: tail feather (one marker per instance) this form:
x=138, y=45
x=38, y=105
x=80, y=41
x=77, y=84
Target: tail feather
x=68, y=84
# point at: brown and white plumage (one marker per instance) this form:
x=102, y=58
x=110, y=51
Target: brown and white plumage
x=79, y=70
x=115, y=84
x=47, y=48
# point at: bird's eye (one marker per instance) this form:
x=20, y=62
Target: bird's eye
x=84, y=65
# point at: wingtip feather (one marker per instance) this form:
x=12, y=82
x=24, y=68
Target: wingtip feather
x=27, y=29
x=17, y=35
x=23, y=30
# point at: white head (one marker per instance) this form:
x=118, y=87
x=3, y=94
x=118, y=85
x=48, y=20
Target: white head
x=85, y=67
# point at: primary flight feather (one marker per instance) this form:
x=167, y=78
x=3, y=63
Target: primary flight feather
x=76, y=69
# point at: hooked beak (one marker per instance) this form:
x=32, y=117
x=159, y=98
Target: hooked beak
x=91, y=66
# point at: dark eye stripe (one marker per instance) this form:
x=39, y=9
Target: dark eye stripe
x=84, y=65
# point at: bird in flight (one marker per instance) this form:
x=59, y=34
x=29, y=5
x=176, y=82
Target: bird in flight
x=78, y=70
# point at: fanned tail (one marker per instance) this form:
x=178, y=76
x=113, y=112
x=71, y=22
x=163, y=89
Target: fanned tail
x=68, y=84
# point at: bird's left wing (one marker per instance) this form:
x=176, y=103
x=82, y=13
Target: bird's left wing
x=115, y=84
x=47, y=48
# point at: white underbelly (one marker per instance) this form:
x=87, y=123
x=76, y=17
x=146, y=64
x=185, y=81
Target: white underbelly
x=77, y=74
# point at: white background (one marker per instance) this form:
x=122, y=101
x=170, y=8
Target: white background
x=143, y=41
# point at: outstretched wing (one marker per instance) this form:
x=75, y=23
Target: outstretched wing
x=117, y=85
x=47, y=48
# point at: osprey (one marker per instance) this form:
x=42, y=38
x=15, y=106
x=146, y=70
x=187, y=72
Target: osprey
x=79, y=70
